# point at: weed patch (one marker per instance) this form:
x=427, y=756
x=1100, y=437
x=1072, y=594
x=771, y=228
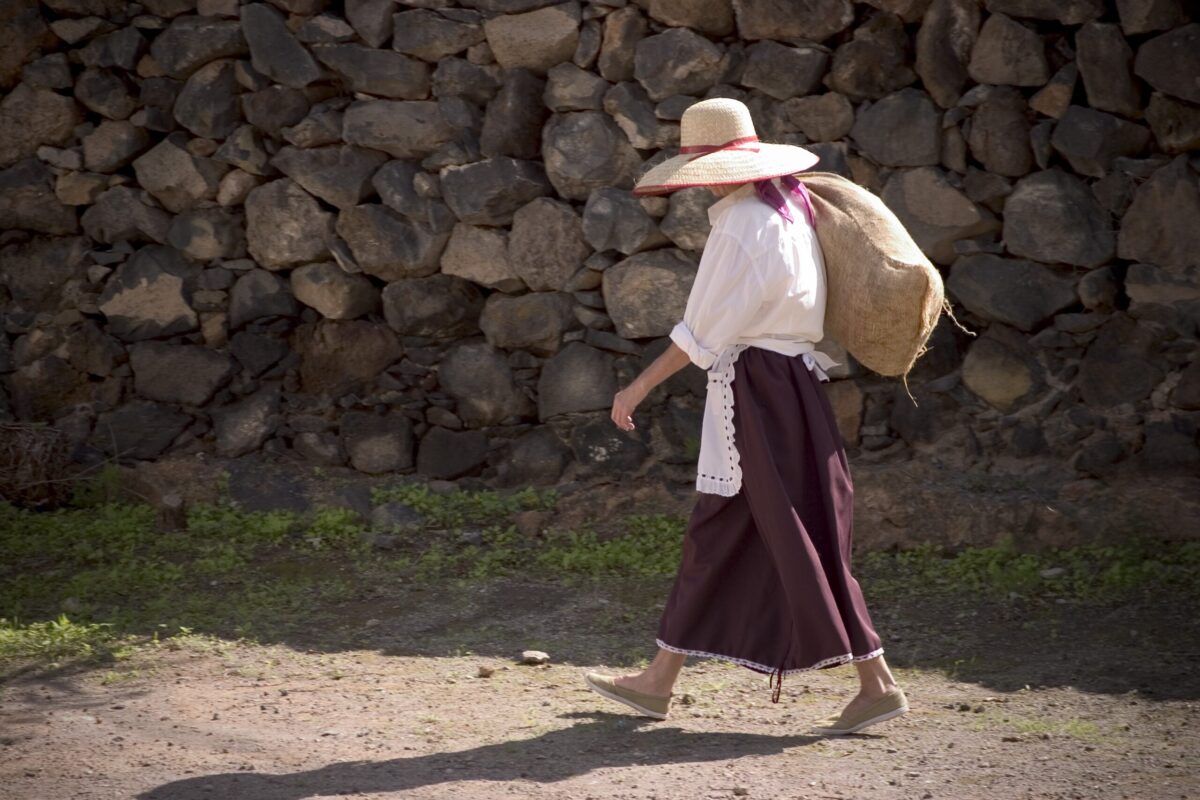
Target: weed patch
x=58, y=640
x=1073, y=728
x=650, y=547
x=84, y=582
x=458, y=508
x=1086, y=573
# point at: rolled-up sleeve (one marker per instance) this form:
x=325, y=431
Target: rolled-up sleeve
x=725, y=297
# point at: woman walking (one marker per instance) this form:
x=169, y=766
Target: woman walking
x=765, y=579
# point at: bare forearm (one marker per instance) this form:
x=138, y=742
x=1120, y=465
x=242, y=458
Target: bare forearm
x=626, y=400
x=667, y=364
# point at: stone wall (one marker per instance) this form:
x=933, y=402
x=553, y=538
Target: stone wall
x=399, y=236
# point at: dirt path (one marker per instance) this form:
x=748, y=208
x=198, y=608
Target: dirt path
x=390, y=705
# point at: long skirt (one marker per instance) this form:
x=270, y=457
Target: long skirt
x=765, y=579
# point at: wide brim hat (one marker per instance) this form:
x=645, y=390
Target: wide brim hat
x=718, y=146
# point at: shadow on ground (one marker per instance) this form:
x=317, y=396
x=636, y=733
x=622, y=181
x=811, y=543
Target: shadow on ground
x=552, y=757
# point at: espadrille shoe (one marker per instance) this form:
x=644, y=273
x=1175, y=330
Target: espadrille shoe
x=892, y=704
x=652, y=705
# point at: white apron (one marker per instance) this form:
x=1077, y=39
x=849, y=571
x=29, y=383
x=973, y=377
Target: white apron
x=718, y=470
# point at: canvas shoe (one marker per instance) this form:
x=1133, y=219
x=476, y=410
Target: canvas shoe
x=892, y=704
x=652, y=705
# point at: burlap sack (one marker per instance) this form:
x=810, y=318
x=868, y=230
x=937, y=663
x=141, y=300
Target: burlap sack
x=883, y=295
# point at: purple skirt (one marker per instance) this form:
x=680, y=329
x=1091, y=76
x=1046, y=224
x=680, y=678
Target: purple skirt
x=765, y=578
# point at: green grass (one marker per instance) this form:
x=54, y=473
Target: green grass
x=236, y=573
x=649, y=547
x=995, y=719
x=1089, y=573
x=1074, y=728
x=458, y=508
x=86, y=581
x=58, y=640
x=83, y=581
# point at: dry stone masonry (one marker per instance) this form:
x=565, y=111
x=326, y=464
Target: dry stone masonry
x=399, y=236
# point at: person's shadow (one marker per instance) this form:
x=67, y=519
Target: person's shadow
x=555, y=756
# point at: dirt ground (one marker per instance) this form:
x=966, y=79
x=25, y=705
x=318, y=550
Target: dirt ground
x=1008, y=701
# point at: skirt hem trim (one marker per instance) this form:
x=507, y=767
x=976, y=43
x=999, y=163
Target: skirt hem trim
x=845, y=658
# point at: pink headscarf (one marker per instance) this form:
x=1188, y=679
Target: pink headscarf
x=771, y=196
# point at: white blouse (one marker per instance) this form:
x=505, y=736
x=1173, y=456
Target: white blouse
x=760, y=282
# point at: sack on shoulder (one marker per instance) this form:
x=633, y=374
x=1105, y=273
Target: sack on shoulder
x=884, y=296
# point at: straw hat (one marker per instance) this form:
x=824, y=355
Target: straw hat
x=718, y=145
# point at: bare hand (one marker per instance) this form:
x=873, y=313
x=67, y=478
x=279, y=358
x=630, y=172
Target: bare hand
x=624, y=402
